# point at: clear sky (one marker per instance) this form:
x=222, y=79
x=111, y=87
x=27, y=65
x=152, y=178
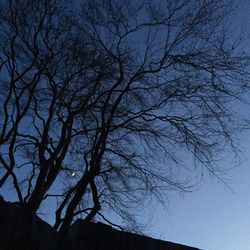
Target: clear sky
x=213, y=217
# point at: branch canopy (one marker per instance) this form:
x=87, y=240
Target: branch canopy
x=107, y=104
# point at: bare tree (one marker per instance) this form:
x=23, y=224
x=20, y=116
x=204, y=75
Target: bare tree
x=101, y=106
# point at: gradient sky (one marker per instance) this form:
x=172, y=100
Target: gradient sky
x=213, y=217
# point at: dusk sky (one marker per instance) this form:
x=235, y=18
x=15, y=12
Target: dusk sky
x=213, y=217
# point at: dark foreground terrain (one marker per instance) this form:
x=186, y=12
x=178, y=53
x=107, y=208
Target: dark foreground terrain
x=17, y=234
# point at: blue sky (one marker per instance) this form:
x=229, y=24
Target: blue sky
x=213, y=217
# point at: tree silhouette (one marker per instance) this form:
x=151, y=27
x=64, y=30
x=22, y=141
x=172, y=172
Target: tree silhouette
x=106, y=102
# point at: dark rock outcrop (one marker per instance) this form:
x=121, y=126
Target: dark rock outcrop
x=20, y=231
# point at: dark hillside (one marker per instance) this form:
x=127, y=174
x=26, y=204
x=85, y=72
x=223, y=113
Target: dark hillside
x=19, y=231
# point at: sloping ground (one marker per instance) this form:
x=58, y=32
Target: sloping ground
x=103, y=237
x=19, y=231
